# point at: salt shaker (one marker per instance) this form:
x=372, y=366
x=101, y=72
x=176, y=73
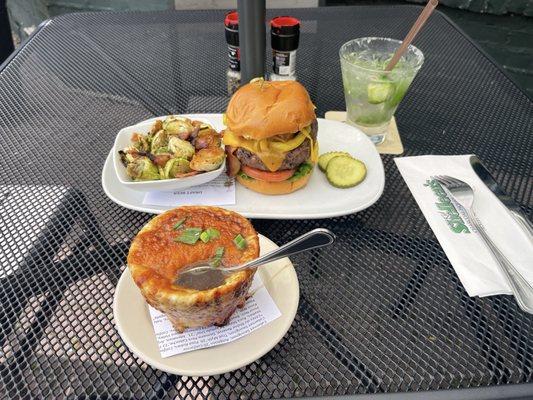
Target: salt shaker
x=233, y=74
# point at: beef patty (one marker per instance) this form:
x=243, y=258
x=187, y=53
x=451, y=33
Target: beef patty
x=293, y=158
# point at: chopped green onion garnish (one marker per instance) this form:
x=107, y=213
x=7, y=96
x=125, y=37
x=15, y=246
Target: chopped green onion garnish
x=240, y=242
x=208, y=234
x=192, y=230
x=178, y=224
x=219, y=252
x=204, y=237
x=213, y=233
x=189, y=236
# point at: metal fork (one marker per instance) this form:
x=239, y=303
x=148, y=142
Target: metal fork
x=464, y=195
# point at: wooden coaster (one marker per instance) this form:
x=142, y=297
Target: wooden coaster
x=391, y=145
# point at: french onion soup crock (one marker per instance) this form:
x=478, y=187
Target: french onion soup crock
x=181, y=237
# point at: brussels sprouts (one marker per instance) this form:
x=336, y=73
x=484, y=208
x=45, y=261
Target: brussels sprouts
x=208, y=159
x=176, y=166
x=206, y=138
x=128, y=155
x=159, y=140
x=140, y=142
x=180, y=148
x=163, y=150
x=156, y=127
x=142, y=169
x=177, y=125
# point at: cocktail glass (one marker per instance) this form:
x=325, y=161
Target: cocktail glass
x=373, y=94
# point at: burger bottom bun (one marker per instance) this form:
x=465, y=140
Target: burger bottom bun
x=274, y=188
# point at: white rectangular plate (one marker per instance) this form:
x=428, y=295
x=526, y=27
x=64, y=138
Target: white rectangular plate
x=316, y=200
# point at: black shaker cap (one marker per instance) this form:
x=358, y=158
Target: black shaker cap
x=285, y=33
x=231, y=23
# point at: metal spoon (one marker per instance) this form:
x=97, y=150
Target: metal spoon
x=208, y=274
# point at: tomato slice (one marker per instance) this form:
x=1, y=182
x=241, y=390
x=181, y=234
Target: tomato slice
x=268, y=176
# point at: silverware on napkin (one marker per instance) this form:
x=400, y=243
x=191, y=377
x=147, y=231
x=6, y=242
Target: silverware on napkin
x=489, y=181
x=463, y=194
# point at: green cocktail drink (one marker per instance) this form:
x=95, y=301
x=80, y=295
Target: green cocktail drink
x=373, y=94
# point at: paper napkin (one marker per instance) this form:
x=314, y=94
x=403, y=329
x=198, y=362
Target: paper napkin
x=218, y=192
x=478, y=271
x=259, y=310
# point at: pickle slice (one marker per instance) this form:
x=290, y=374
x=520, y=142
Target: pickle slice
x=324, y=159
x=345, y=172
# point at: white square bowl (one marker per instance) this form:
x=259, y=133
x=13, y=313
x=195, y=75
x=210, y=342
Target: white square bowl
x=123, y=140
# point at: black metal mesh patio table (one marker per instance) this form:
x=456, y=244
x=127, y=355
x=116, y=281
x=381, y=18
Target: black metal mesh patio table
x=396, y=321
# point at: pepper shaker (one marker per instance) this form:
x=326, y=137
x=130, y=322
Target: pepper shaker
x=284, y=36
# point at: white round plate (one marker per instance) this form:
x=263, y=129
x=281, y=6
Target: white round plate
x=316, y=200
x=134, y=325
x=123, y=140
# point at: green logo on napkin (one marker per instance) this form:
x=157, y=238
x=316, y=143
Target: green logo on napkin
x=446, y=208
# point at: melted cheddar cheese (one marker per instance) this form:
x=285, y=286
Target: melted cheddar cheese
x=271, y=151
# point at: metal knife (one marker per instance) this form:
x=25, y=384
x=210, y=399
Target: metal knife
x=506, y=200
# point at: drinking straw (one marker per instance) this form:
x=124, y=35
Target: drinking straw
x=419, y=23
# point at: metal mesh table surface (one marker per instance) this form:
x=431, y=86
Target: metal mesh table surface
x=382, y=312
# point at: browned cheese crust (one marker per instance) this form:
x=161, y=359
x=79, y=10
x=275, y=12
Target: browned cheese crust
x=155, y=258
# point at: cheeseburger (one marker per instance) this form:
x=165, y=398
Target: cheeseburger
x=270, y=137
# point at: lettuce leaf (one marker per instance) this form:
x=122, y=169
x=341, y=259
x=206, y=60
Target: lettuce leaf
x=302, y=171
